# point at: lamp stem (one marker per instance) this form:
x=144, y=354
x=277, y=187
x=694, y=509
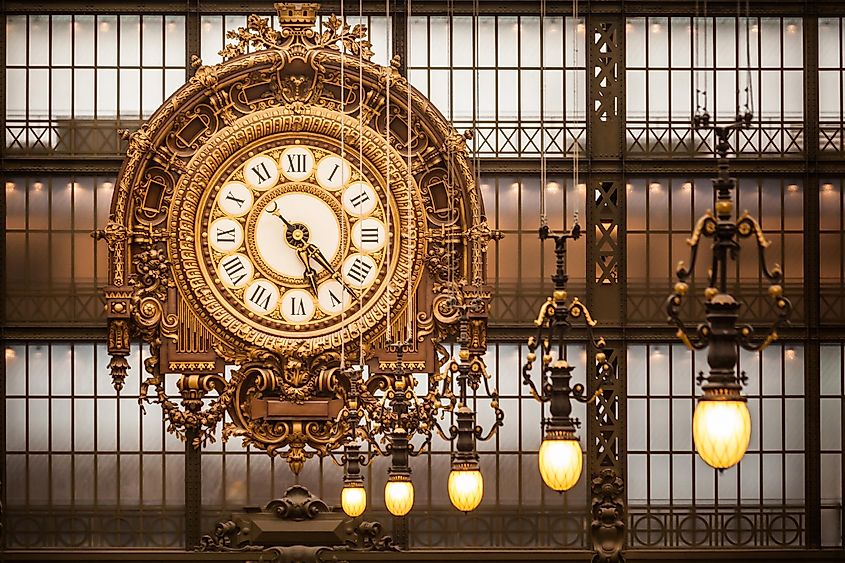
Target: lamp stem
x=560, y=404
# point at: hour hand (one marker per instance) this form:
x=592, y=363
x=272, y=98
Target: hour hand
x=310, y=272
x=275, y=211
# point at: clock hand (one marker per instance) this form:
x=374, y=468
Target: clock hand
x=275, y=211
x=310, y=272
x=314, y=252
x=296, y=234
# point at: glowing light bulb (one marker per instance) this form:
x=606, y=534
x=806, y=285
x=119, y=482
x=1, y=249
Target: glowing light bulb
x=466, y=488
x=399, y=495
x=560, y=463
x=721, y=430
x=353, y=499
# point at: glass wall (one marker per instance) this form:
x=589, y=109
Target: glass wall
x=678, y=500
x=84, y=467
x=65, y=74
x=519, y=83
x=54, y=267
x=832, y=431
x=678, y=65
x=662, y=213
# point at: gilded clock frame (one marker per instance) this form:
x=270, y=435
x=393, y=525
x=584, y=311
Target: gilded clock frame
x=291, y=79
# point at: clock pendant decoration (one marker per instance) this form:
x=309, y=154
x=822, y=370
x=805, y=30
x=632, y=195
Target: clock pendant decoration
x=283, y=216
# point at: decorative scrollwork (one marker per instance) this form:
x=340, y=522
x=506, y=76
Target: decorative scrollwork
x=608, y=525
x=297, y=504
x=258, y=34
x=289, y=396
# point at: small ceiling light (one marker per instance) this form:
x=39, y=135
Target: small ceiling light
x=399, y=490
x=353, y=497
x=466, y=484
x=721, y=428
x=561, y=460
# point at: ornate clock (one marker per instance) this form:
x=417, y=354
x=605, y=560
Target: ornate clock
x=290, y=213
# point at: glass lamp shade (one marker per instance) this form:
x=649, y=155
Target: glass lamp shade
x=353, y=499
x=399, y=496
x=721, y=430
x=466, y=487
x=560, y=463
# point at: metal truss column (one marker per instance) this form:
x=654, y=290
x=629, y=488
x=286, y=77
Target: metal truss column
x=605, y=234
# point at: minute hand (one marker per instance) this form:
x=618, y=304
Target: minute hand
x=314, y=252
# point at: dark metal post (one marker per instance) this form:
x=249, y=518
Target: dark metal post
x=812, y=312
x=193, y=491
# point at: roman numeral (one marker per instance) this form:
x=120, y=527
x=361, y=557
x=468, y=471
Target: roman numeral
x=335, y=301
x=358, y=271
x=239, y=201
x=261, y=171
x=369, y=235
x=296, y=163
x=261, y=297
x=235, y=269
x=226, y=235
x=297, y=306
x=336, y=166
x=360, y=198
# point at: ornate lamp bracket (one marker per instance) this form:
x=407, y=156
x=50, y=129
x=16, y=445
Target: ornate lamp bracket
x=720, y=333
x=553, y=322
x=721, y=329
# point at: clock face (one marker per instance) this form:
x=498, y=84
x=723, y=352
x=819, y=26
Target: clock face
x=290, y=236
x=297, y=236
